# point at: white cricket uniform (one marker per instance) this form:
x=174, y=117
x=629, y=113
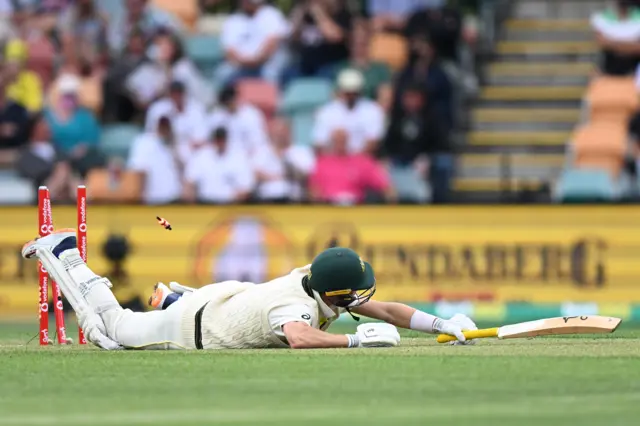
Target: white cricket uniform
x=233, y=315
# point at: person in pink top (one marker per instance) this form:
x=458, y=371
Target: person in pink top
x=343, y=178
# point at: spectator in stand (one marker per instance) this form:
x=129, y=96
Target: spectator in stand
x=417, y=143
x=83, y=32
x=167, y=63
x=25, y=87
x=281, y=168
x=618, y=35
x=362, y=118
x=75, y=130
x=89, y=76
x=253, y=41
x=140, y=16
x=423, y=67
x=154, y=155
x=218, y=174
x=392, y=15
x=188, y=119
x=14, y=119
x=442, y=25
x=320, y=33
x=245, y=123
x=119, y=101
x=376, y=74
x=42, y=164
x=345, y=178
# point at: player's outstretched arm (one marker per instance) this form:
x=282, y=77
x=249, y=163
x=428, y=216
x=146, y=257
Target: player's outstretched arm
x=301, y=335
x=405, y=316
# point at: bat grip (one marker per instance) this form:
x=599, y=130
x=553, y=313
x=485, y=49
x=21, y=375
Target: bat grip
x=470, y=334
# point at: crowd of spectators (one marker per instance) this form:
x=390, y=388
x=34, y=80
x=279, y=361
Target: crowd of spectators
x=70, y=68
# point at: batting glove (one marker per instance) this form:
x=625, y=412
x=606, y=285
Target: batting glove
x=374, y=335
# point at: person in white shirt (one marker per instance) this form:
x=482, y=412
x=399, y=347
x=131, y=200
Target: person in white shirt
x=252, y=39
x=245, y=123
x=218, y=174
x=154, y=156
x=188, y=119
x=362, y=118
x=282, y=168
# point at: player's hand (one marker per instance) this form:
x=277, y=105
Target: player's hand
x=465, y=323
x=377, y=335
x=449, y=327
x=102, y=341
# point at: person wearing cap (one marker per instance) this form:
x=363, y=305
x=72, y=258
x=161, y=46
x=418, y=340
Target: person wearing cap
x=292, y=311
x=252, y=39
x=25, y=87
x=362, y=118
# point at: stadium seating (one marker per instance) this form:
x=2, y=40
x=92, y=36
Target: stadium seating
x=205, y=51
x=15, y=190
x=409, y=187
x=301, y=125
x=127, y=189
x=117, y=138
x=600, y=146
x=586, y=185
x=390, y=49
x=612, y=99
x=306, y=94
x=187, y=11
x=260, y=93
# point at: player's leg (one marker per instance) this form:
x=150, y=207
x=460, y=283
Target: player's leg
x=95, y=304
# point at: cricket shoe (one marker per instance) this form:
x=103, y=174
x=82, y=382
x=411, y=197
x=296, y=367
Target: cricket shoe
x=159, y=296
x=57, y=242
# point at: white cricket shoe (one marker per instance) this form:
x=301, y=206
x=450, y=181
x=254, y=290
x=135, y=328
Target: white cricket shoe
x=57, y=241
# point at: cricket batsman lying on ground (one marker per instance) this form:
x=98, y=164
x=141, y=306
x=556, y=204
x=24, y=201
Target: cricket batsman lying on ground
x=292, y=311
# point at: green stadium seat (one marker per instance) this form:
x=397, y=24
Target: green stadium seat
x=301, y=127
x=586, y=185
x=117, y=139
x=409, y=187
x=306, y=94
x=205, y=51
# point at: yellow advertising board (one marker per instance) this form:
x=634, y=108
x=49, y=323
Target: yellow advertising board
x=502, y=254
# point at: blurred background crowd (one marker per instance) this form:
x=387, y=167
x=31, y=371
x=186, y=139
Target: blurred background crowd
x=324, y=101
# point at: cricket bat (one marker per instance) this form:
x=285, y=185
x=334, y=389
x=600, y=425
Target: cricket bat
x=585, y=324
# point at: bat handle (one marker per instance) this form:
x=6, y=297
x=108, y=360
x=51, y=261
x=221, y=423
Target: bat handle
x=470, y=334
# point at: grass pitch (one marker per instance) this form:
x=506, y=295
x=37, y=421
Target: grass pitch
x=547, y=381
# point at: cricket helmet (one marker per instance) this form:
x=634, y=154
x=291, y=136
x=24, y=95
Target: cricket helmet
x=342, y=277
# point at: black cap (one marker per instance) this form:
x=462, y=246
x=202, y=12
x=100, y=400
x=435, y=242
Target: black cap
x=177, y=86
x=228, y=93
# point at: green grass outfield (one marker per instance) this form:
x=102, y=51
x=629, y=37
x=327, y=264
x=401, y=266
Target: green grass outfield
x=547, y=381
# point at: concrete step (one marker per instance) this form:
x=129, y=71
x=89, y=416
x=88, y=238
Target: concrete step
x=558, y=25
x=534, y=115
x=541, y=69
x=557, y=9
x=498, y=184
x=565, y=48
x=523, y=160
x=539, y=74
x=525, y=119
x=519, y=93
x=480, y=138
x=522, y=166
